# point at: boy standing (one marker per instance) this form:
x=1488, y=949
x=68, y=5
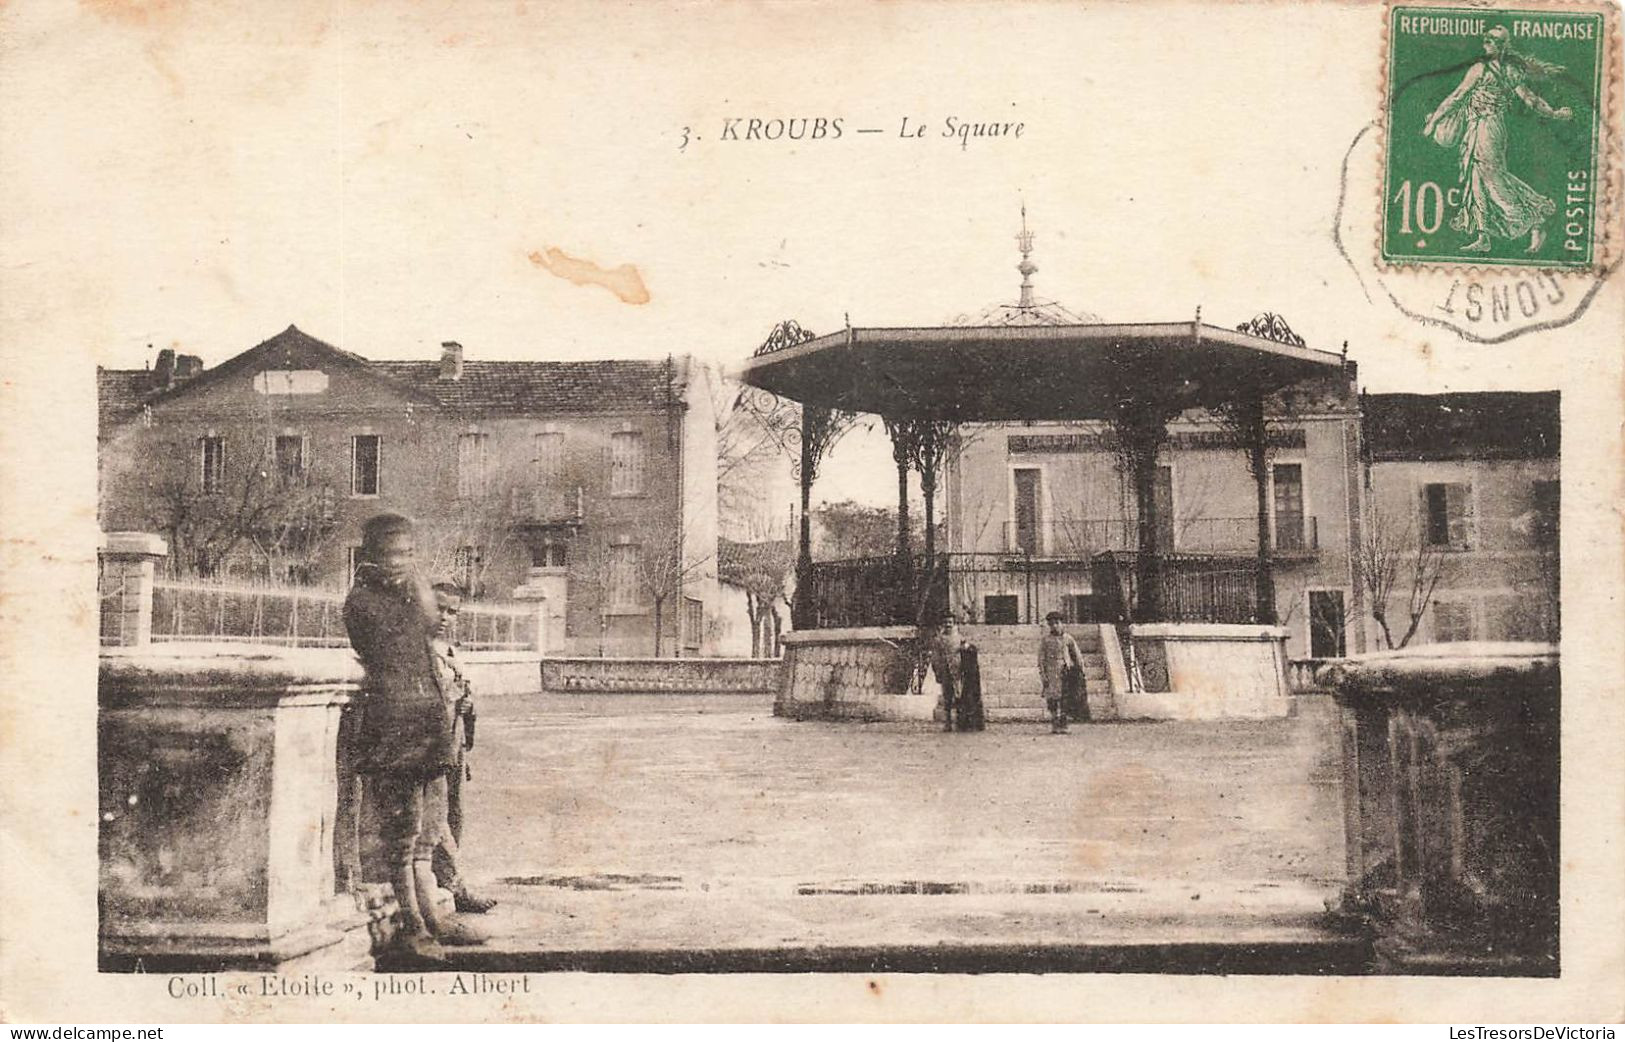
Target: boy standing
x=1058, y=656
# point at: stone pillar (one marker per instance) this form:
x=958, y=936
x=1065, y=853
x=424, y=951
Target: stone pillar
x=1454, y=804
x=128, y=561
x=219, y=798
x=536, y=591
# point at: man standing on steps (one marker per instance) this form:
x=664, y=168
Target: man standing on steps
x=403, y=742
x=1060, y=666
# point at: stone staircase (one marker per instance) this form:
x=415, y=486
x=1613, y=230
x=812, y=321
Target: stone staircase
x=1009, y=659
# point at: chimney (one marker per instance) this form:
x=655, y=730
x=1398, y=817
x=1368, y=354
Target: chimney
x=163, y=374
x=187, y=366
x=451, y=360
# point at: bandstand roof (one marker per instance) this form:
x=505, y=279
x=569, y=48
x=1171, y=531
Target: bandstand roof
x=1061, y=372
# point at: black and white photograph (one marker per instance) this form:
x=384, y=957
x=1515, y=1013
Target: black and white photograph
x=817, y=512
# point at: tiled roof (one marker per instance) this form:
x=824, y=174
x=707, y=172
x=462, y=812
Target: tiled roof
x=1485, y=425
x=547, y=387
x=119, y=393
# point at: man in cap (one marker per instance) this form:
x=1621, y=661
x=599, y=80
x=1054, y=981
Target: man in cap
x=404, y=740
x=1058, y=656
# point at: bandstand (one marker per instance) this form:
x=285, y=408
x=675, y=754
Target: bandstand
x=1187, y=636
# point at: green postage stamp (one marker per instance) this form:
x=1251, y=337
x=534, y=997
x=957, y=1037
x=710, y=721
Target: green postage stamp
x=1496, y=136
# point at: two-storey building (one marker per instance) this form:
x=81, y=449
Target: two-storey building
x=1464, y=494
x=1055, y=495
x=593, y=483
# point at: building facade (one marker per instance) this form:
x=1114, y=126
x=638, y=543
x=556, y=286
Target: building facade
x=1054, y=495
x=1464, y=505
x=592, y=484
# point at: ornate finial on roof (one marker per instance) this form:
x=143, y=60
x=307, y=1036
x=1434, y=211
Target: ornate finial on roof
x=1270, y=326
x=786, y=334
x=1024, y=242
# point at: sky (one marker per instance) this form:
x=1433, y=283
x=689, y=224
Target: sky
x=389, y=176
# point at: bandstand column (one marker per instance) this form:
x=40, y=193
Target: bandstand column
x=1140, y=427
x=1254, y=431
x=903, y=437
x=801, y=604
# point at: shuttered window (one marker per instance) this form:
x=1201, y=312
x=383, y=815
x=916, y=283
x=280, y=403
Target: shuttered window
x=471, y=465
x=1447, y=516
x=626, y=463
x=623, y=576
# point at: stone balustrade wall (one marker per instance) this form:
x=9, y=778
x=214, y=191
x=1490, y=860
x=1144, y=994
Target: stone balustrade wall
x=662, y=675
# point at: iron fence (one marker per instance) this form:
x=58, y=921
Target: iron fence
x=1190, y=587
x=1083, y=538
x=305, y=617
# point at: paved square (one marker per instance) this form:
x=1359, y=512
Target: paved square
x=672, y=823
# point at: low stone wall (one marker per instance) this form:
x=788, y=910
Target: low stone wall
x=502, y=672
x=1199, y=671
x=862, y=673
x=742, y=676
x=1451, y=755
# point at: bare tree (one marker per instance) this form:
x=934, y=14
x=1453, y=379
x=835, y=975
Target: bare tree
x=280, y=516
x=665, y=565
x=762, y=571
x=756, y=432
x=1397, y=559
x=479, y=531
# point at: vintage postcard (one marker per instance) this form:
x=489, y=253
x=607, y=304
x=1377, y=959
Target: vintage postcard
x=811, y=512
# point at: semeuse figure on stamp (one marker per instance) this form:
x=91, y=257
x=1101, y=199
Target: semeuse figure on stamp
x=1060, y=671
x=404, y=739
x=457, y=691
x=1473, y=119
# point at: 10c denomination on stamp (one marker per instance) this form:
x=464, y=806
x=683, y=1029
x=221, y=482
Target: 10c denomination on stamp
x=1496, y=128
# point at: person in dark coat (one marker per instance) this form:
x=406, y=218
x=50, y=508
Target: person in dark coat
x=404, y=740
x=972, y=717
x=945, y=665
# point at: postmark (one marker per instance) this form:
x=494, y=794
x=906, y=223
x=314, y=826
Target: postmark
x=1495, y=151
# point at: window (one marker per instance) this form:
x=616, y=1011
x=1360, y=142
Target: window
x=623, y=576
x=1028, y=492
x=211, y=451
x=1327, y=636
x=549, y=555
x=466, y=571
x=1452, y=621
x=693, y=623
x=288, y=455
x=626, y=463
x=1288, y=483
x=548, y=455
x=471, y=466
x=1162, y=494
x=1081, y=607
x=366, y=460
x=1001, y=609
x=1447, y=516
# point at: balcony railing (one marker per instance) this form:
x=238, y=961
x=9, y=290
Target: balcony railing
x=1085, y=537
x=548, y=506
x=1008, y=589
